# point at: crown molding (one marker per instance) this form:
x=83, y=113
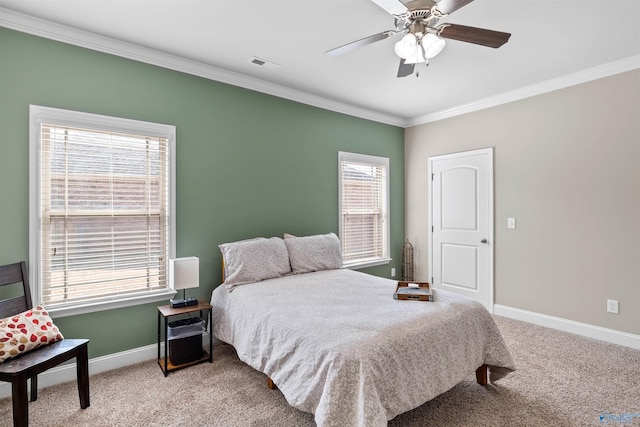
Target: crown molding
x=65, y=34
x=584, y=76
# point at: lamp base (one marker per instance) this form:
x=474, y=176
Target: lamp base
x=185, y=302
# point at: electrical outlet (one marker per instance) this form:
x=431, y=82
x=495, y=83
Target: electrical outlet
x=393, y=272
x=613, y=306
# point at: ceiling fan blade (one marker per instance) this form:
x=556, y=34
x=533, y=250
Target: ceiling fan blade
x=405, y=69
x=475, y=35
x=358, y=43
x=394, y=7
x=449, y=6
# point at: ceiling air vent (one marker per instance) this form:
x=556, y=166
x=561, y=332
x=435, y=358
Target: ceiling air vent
x=264, y=63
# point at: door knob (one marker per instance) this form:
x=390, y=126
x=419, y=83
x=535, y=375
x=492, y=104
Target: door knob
x=483, y=241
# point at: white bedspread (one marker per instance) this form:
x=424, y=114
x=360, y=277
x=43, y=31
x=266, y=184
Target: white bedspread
x=338, y=345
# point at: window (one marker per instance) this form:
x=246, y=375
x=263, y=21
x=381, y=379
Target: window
x=364, y=209
x=101, y=210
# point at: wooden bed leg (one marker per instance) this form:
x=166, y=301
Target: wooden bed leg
x=271, y=384
x=482, y=375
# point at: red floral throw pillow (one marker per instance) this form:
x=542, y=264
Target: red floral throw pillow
x=25, y=332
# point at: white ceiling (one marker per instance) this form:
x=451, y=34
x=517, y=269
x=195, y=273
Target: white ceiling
x=551, y=41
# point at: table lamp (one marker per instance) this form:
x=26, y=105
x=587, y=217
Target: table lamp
x=184, y=273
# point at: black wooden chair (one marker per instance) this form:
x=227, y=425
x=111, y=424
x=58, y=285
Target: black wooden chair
x=30, y=364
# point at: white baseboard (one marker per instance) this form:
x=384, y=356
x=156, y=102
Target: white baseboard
x=584, y=329
x=67, y=372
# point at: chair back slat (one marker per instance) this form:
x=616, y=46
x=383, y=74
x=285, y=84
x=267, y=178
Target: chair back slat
x=9, y=275
x=11, y=306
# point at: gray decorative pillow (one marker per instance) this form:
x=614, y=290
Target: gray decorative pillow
x=249, y=261
x=314, y=253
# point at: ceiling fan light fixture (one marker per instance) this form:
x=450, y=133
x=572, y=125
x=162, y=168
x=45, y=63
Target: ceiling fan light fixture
x=416, y=57
x=416, y=60
x=406, y=47
x=433, y=45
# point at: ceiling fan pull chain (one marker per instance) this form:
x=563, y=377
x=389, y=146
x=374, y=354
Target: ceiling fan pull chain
x=418, y=51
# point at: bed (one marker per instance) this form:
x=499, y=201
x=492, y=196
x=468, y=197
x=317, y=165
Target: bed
x=336, y=343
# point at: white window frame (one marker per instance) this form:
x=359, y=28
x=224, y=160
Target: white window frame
x=39, y=115
x=376, y=161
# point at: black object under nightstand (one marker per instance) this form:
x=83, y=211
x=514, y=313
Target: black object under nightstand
x=166, y=312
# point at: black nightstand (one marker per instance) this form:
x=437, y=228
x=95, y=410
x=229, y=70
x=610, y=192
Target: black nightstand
x=166, y=312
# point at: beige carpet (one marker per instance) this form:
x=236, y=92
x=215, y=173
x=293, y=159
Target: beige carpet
x=562, y=380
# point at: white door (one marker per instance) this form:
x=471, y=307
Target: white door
x=461, y=244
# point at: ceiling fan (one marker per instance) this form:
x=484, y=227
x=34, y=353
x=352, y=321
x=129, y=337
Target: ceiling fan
x=422, y=37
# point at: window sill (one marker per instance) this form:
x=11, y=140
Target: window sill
x=367, y=263
x=63, y=311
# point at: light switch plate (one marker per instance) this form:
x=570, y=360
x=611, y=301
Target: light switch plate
x=511, y=223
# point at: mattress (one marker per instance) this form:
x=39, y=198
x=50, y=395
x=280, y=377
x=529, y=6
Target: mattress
x=338, y=345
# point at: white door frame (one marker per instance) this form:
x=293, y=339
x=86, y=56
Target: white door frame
x=491, y=236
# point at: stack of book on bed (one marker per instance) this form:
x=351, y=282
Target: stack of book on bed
x=418, y=291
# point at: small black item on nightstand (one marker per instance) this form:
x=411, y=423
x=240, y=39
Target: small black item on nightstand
x=184, y=302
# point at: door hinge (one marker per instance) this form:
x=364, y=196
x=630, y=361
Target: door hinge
x=432, y=280
x=432, y=228
x=432, y=176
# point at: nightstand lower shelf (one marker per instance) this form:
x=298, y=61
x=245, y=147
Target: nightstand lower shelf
x=171, y=367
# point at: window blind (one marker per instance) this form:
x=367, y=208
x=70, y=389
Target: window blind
x=104, y=214
x=363, y=207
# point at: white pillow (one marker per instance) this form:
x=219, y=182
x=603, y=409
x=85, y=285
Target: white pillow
x=314, y=253
x=254, y=260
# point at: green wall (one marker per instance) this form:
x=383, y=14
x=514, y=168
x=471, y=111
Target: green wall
x=248, y=164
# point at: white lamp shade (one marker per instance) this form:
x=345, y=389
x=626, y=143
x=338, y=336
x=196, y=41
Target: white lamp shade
x=406, y=47
x=184, y=273
x=433, y=45
x=416, y=57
